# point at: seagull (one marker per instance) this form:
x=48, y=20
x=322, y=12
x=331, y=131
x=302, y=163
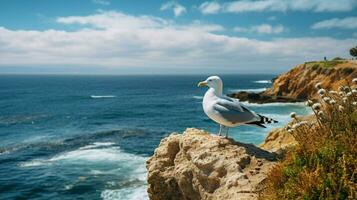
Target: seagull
x=226, y=111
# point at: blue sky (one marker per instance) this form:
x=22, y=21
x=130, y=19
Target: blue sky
x=168, y=37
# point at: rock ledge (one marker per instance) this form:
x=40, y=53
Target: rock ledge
x=197, y=165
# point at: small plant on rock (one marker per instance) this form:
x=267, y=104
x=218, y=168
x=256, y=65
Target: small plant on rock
x=324, y=163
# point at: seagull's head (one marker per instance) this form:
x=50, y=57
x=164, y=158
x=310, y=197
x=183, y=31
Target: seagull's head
x=213, y=82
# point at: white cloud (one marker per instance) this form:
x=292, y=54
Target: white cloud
x=115, y=40
x=210, y=7
x=283, y=6
x=344, y=23
x=175, y=7
x=262, y=29
x=101, y=2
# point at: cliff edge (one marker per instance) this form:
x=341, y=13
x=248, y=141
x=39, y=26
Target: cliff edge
x=198, y=165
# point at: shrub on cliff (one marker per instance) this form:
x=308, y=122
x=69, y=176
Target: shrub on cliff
x=324, y=163
x=353, y=51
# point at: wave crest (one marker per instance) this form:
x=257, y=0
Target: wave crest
x=102, y=96
x=262, y=81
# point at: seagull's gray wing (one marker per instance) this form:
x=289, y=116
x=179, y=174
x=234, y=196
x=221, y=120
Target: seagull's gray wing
x=230, y=103
x=234, y=112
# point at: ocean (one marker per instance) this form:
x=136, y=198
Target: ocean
x=88, y=137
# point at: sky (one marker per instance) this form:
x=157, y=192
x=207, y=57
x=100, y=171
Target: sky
x=172, y=37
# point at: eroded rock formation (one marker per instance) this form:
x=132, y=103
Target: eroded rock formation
x=198, y=165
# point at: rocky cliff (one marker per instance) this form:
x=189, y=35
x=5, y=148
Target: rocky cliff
x=298, y=84
x=198, y=165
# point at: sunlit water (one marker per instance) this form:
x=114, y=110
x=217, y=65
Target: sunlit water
x=87, y=137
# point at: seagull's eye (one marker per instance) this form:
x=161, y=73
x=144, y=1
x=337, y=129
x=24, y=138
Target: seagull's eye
x=209, y=80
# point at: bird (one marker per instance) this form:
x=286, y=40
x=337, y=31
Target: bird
x=226, y=111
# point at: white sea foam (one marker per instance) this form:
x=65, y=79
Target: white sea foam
x=198, y=97
x=112, y=154
x=34, y=163
x=102, y=96
x=96, y=152
x=138, y=193
x=97, y=144
x=262, y=81
x=255, y=90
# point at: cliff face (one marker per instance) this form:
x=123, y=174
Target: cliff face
x=299, y=82
x=197, y=165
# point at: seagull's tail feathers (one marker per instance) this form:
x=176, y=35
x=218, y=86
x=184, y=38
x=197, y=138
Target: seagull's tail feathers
x=263, y=120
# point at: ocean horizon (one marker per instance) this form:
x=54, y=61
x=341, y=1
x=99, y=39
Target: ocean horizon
x=88, y=136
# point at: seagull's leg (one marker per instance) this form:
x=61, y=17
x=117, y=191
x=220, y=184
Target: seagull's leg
x=227, y=128
x=220, y=130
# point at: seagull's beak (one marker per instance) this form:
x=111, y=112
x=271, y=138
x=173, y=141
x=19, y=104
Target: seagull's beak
x=202, y=83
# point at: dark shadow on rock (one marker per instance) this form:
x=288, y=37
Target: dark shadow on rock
x=253, y=150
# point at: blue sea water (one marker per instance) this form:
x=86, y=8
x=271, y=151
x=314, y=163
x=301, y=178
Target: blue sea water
x=88, y=137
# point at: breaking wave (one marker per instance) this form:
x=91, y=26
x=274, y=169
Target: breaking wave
x=198, y=97
x=102, y=96
x=262, y=81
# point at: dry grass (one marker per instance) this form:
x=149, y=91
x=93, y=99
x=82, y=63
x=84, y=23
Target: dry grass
x=324, y=163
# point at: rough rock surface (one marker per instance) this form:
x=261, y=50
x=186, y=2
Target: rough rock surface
x=197, y=165
x=298, y=84
x=278, y=140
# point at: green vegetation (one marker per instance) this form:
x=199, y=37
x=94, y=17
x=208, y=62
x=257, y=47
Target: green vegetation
x=347, y=70
x=324, y=163
x=353, y=51
x=338, y=58
x=325, y=64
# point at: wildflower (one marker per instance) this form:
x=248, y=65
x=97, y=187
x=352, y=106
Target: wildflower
x=295, y=126
x=290, y=131
x=316, y=106
x=344, y=99
x=309, y=103
x=346, y=89
x=318, y=85
x=354, y=91
x=321, y=92
x=354, y=103
x=320, y=114
x=354, y=80
x=303, y=122
x=293, y=115
x=349, y=94
x=332, y=102
x=341, y=108
x=326, y=99
x=341, y=94
x=333, y=92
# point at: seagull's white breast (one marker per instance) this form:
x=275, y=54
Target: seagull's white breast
x=208, y=103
